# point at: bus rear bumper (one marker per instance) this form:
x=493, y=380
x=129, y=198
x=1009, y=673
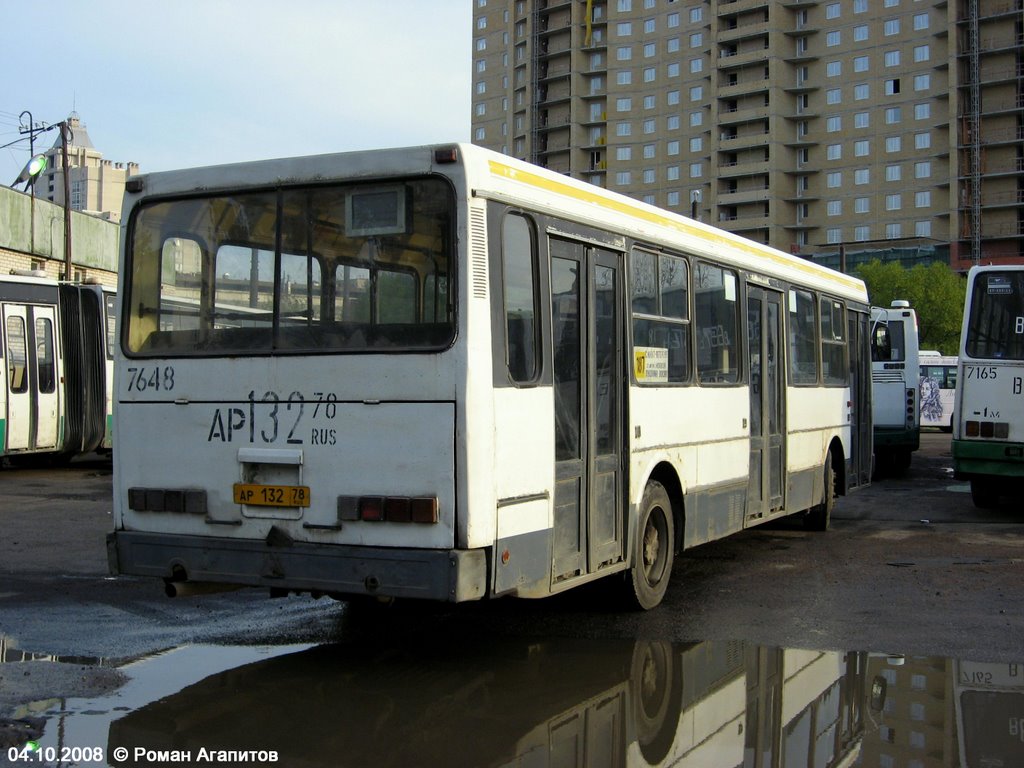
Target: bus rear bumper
x=449, y=575
x=987, y=459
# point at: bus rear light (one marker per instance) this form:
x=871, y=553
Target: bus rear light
x=187, y=501
x=392, y=509
x=1000, y=430
x=371, y=508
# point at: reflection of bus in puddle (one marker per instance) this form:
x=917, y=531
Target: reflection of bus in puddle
x=545, y=703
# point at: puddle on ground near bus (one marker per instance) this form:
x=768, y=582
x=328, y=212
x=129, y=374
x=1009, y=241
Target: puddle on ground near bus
x=557, y=702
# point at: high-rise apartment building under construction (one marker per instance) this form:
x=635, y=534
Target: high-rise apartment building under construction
x=843, y=126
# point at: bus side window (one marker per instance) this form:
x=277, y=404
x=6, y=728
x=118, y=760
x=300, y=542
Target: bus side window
x=17, y=355
x=880, y=345
x=519, y=261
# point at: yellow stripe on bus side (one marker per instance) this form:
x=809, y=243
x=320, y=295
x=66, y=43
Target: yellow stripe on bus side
x=551, y=185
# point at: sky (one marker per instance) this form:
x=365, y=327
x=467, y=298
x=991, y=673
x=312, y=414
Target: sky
x=183, y=83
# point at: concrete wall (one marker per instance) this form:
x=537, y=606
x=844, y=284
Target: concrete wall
x=34, y=232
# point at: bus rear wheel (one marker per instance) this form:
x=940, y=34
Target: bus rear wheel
x=654, y=551
x=984, y=493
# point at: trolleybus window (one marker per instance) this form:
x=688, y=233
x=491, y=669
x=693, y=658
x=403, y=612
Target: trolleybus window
x=803, y=338
x=995, y=327
x=17, y=351
x=661, y=331
x=716, y=309
x=833, y=343
x=313, y=269
x=520, y=298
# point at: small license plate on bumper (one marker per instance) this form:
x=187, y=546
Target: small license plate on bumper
x=256, y=495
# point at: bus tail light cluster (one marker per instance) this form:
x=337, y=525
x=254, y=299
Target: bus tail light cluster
x=392, y=509
x=996, y=429
x=911, y=407
x=182, y=500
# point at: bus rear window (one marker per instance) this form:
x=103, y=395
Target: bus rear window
x=316, y=269
x=995, y=326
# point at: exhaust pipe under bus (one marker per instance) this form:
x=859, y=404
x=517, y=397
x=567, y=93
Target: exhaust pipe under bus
x=191, y=588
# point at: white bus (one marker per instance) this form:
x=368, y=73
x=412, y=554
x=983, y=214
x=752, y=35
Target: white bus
x=938, y=389
x=56, y=391
x=895, y=385
x=438, y=372
x=988, y=433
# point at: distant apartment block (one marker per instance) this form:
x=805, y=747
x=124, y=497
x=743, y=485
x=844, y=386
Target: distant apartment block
x=817, y=127
x=96, y=185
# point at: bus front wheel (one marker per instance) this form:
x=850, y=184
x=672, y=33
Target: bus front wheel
x=654, y=550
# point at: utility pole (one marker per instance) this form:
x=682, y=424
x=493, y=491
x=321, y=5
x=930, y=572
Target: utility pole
x=65, y=129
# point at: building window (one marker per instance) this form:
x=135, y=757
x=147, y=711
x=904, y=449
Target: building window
x=833, y=69
x=861, y=63
x=697, y=144
x=624, y=28
x=892, y=86
x=892, y=58
x=893, y=231
x=696, y=170
x=920, y=21
x=624, y=77
x=833, y=39
x=861, y=148
x=623, y=154
x=922, y=82
x=921, y=53
x=696, y=65
x=861, y=119
x=834, y=151
x=834, y=207
x=672, y=173
x=649, y=102
x=672, y=122
x=834, y=235
x=696, y=15
x=862, y=176
x=696, y=39
x=832, y=11
x=860, y=33
x=923, y=170
x=624, y=53
x=650, y=50
x=696, y=119
x=672, y=148
x=649, y=176
x=862, y=205
x=861, y=233
x=672, y=20
x=672, y=98
x=861, y=92
x=625, y=104
x=624, y=129
x=891, y=27
x=922, y=140
x=923, y=199
x=893, y=173
x=893, y=115
x=649, y=74
x=834, y=124
x=893, y=144
x=623, y=178
x=834, y=180
x=893, y=202
x=833, y=96
x=923, y=228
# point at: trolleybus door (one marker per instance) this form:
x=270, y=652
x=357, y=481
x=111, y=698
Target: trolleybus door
x=31, y=376
x=767, y=429
x=587, y=348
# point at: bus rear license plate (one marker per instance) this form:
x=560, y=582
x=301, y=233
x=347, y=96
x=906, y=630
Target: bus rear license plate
x=271, y=495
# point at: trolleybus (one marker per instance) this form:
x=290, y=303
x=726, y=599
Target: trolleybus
x=988, y=431
x=938, y=389
x=442, y=373
x=895, y=385
x=55, y=399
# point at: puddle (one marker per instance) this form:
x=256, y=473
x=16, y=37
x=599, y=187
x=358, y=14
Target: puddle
x=407, y=700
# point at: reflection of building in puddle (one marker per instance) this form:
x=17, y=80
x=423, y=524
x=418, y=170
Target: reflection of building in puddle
x=552, y=703
x=11, y=654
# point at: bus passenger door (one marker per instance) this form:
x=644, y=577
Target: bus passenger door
x=767, y=430
x=587, y=351
x=30, y=376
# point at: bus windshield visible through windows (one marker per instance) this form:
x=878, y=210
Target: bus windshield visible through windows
x=329, y=268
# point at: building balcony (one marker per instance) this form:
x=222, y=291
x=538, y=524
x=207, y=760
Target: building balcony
x=743, y=222
x=727, y=60
x=742, y=89
x=743, y=32
x=805, y=87
x=726, y=9
x=741, y=196
x=743, y=115
x=741, y=168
